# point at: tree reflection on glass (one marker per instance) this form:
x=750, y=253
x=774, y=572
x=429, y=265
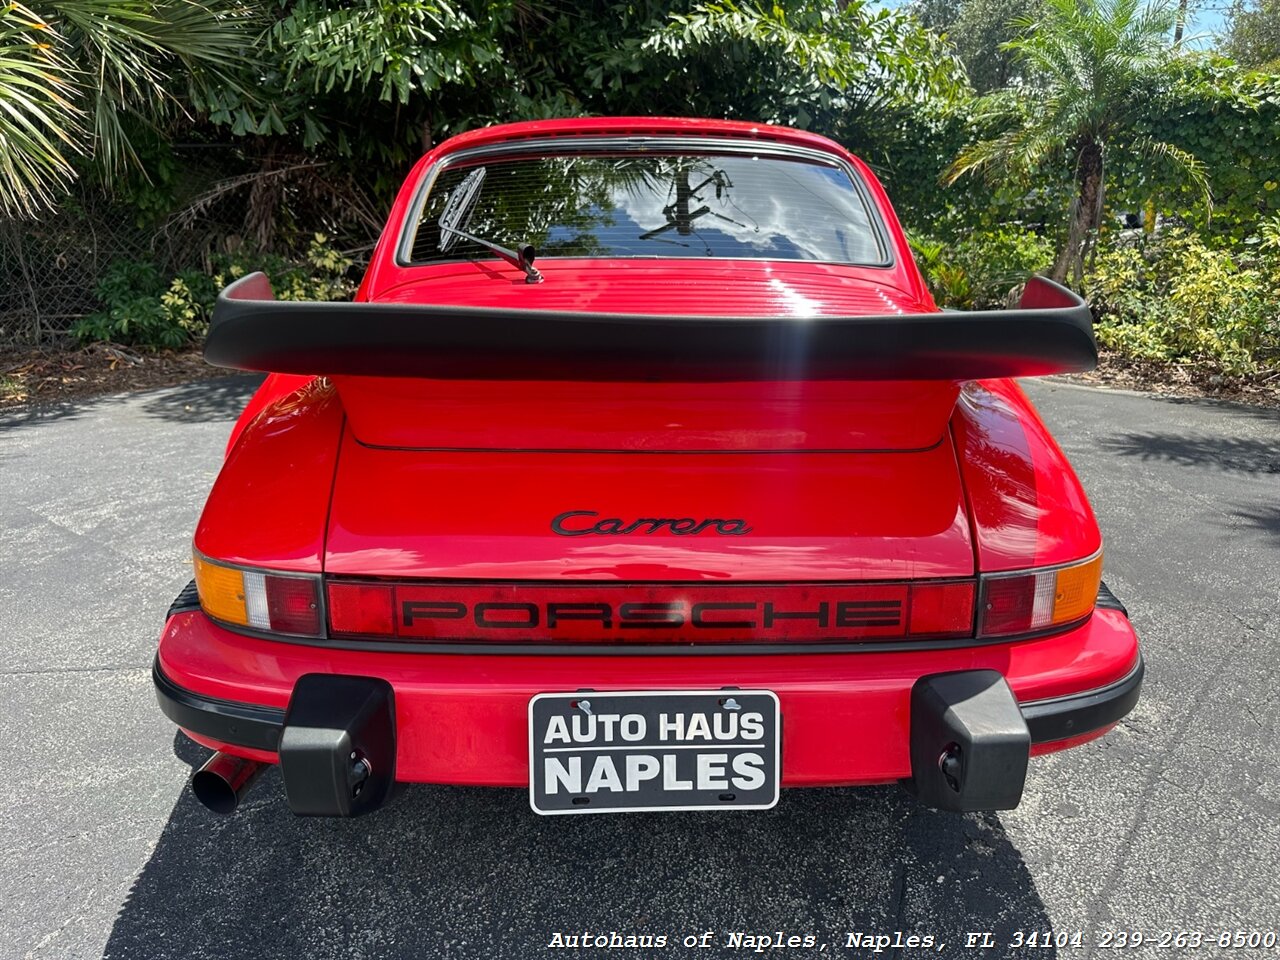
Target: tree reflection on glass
x=655, y=205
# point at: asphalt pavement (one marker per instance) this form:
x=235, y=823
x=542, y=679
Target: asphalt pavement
x=1169, y=824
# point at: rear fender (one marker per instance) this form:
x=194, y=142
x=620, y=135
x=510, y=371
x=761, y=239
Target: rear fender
x=1027, y=507
x=275, y=387
x=270, y=501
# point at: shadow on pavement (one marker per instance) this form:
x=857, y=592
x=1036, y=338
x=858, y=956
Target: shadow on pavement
x=1248, y=410
x=221, y=398
x=1233, y=454
x=462, y=872
x=1265, y=518
x=35, y=416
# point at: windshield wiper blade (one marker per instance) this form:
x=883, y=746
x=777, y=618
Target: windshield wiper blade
x=521, y=258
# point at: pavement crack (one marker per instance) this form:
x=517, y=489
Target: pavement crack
x=76, y=916
x=54, y=670
x=1251, y=627
x=1154, y=777
x=900, y=903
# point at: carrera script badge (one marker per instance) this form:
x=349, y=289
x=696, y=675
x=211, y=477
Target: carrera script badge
x=586, y=523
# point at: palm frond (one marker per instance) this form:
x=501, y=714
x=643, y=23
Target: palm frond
x=1012, y=157
x=1181, y=162
x=39, y=123
x=141, y=61
x=1082, y=61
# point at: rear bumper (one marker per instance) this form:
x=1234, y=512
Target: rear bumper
x=1066, y=718
x=462, y=718
x=258, y=728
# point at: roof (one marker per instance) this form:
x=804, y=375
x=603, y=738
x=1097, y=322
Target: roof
x=639, y=126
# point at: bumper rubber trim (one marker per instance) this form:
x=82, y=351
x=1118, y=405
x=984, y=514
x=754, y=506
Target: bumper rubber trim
x=185, y=602
x=1079, y=713
x=238, y=724
x=969, y=742
x=1108, y=600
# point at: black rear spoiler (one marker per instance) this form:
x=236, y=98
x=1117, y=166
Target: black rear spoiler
x=1051, y=331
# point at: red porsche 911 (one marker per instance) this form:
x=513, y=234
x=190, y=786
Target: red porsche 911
x=645, y=474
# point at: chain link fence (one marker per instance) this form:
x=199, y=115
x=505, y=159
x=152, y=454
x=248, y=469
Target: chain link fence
x=50, y=269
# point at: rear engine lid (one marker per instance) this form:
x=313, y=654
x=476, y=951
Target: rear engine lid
x=633, y=517
x=563, y=415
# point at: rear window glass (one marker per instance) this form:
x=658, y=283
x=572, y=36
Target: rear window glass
x=726, y=206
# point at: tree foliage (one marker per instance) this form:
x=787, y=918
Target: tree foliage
x=39, y=122
x=89, y=77
x=1253, y=34
x=979, y=30
x=374, y=84
x=1229, y=119
x=1089, y=64
x=382, y=80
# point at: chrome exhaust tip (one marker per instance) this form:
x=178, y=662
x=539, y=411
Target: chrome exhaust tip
x=224, y=780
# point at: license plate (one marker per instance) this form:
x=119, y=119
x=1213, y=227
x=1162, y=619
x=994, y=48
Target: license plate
x=653, y=750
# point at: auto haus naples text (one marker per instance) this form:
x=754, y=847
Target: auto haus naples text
x=738, y=767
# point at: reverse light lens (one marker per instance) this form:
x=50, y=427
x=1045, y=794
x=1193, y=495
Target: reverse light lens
x=1009, y=605
x=1026, y=602
x=271, y=602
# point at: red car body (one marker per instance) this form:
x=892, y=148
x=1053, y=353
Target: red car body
x=529, y=522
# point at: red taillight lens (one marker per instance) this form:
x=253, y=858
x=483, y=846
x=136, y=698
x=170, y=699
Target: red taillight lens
x=293, y=605
x=362, y=609
x=1009, y=605
x=941, y=609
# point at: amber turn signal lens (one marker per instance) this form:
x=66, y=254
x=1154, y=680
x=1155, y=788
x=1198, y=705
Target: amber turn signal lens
x=221, y=591
x=1076, y=590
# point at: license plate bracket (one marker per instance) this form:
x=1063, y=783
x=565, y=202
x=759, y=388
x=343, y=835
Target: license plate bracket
x=652, y=750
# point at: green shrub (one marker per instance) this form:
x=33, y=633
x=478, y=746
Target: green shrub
x=983, y=268
x=1173, y=297
x=142, y=308
x=1229, y=118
